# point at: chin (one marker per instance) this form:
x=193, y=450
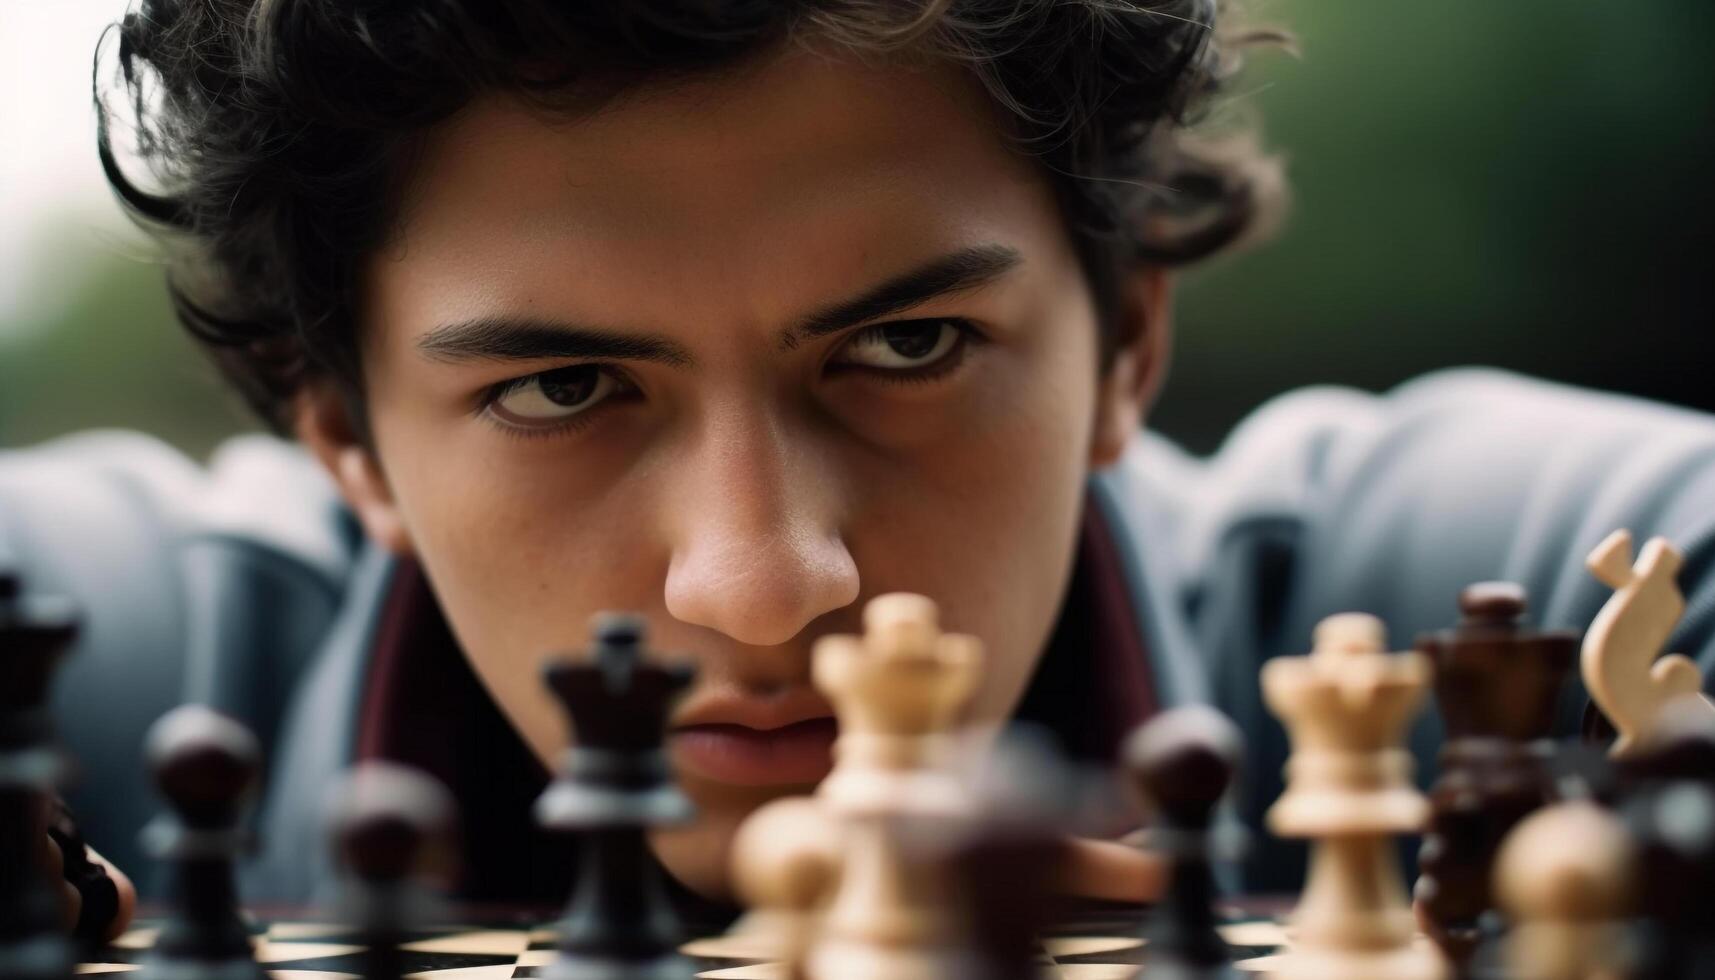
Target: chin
x=697, y=854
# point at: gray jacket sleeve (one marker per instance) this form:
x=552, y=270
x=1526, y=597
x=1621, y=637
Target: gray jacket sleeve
x=211, y=584
x=1329, y=500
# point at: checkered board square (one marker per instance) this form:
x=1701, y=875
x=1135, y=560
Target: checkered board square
x=1089, y=950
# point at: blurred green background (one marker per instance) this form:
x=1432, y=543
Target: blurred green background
x=1523, y=184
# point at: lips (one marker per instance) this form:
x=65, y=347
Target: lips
x=795, y=753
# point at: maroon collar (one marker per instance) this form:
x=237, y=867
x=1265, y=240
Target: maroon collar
x=423, y=706
x=1093, y=683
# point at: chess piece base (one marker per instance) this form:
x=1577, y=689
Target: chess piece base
x=238, y=969
x=37, y=958
x=669, y=966
x=1419, y=961
x=844, y=960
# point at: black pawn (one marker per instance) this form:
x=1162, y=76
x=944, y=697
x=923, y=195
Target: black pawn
x=391, y=826
x=1183, y=761
x=206, y=767
x=612, y=786
x=34, y=633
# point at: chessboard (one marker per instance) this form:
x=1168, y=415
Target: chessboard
x=1091, y=947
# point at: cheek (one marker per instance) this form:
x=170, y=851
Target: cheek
x=512, y=524
x=984, y=519
x=520, y=555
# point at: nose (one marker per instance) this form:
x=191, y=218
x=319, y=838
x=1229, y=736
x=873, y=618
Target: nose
x=758, y=552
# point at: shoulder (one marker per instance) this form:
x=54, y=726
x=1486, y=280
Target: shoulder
x=212, y=583
x=1456, y=457
x=175, y=563
x=1327, y=500
x=117, y=496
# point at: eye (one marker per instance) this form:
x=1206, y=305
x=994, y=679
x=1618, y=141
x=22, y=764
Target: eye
x=905, y=346
x=552, y=396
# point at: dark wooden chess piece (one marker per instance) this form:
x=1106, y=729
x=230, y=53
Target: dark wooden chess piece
x=1496, y=684
x=613, y=785
x=206, y=766
x=34, y=633
x=391, y=826
x=1006, y=858
x=1183, y=760
x=1667, y=800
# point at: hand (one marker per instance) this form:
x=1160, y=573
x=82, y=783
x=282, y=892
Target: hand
x=1112, y=871
x=71, y=900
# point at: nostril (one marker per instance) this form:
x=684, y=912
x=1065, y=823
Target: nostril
x=760, y=596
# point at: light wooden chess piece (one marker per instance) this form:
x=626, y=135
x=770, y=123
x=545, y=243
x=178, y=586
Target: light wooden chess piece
x=785, y=861
x=898, y=692
x=1619, y=662
x=1564, y=876
x=1349, y=789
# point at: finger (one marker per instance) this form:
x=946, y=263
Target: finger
x=1420, y=912
x=127, y=906
x=1111, y=871
x=1138, y=838
x=53, y=868
x=71, y=905
x=51, y=861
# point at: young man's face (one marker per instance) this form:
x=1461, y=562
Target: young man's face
x=736, y=355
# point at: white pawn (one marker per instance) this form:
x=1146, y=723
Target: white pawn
x=785, y=863
x=1349, y=790
x=1564, y=876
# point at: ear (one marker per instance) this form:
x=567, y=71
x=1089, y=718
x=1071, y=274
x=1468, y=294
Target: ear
x=322, y=422
x=1143, y=339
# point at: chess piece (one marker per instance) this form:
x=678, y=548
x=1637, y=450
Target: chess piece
x=897, y=692
x=1681, y=749
x=389, y=825
x=1564, y=875
x=785, y=862
x=1618, y=661
x=34, y=633
x=1674, y=826
x=613, y=785
x=1183, y=761
x=1349, y=789
x=1009, y=859
x=1667, y=791
x=1496, y=684
x=206, y=766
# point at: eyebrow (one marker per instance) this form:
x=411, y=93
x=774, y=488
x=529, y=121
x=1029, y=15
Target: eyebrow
x=956, y=272
x=503, y=338
x=510, y=338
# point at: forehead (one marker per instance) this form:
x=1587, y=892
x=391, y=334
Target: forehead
x=780, y=181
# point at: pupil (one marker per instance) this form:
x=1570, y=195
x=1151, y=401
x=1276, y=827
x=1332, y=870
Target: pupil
x=569, y=386
x=912, y=339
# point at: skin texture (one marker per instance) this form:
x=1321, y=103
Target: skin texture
x=753, y=498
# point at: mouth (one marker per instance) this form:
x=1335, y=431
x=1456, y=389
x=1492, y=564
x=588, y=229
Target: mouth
x=799, y=752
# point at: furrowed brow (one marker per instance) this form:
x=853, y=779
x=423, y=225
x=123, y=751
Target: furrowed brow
x=525, y=339
x=959, y=271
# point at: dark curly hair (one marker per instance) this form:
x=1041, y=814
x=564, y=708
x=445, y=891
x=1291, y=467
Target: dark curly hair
x=275, y=129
